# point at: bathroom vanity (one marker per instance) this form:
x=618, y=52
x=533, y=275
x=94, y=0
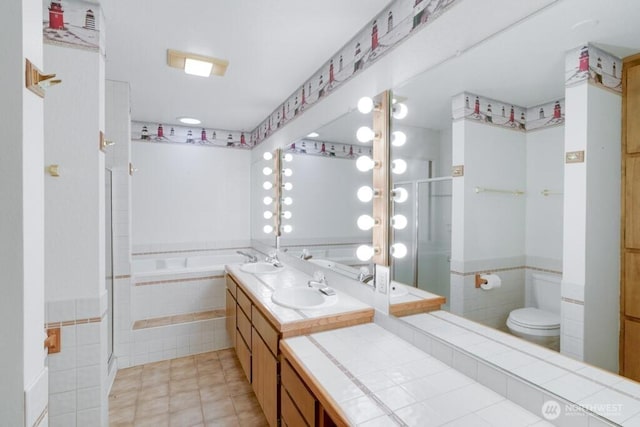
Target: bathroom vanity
x=258, y=324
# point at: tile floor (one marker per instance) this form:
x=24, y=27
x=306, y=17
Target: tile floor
x=207, y=389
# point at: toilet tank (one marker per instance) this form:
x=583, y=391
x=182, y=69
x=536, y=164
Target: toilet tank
x=546, y=291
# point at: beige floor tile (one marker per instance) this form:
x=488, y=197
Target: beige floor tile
x=129, y=372
x=153, y=392
x=209, y=366
x=124, y=385
x=184, y=372
x=212, y=355
x=152, y=407
x=163, y=364
x=236, y=388
x=186, y=418
x=245, y=403
x=211, y=379
x=218, y=409
x=213, y=393
x=123, y=398
x=125, y=414
x=252, y=420
x=187, y=399
x=159, y=420
x=155, y=378
x=182, y=362
x=231, y=375
x=179, y=386
x=227, y=353
x=231, y=421
x=229, y=363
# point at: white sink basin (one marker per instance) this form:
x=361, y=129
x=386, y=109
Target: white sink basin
x=302, y=298
x=260, y=268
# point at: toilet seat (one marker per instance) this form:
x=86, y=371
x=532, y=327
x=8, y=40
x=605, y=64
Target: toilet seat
x=534, y=321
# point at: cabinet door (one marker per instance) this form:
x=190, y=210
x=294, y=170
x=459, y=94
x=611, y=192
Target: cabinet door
x=231, y=317
x=265, y=378
x=632, y=349
x=244, y=355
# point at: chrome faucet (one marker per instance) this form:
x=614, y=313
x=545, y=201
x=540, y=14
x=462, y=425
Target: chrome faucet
x=318, y=280
x=305, y=255
x=250, y=257
x=364, y=276
x=272, y=258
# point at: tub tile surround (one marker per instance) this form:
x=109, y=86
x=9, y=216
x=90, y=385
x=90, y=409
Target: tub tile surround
x=527, y=374
x=401, y=385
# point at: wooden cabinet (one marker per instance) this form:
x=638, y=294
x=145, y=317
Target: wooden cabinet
x=630, y=257
x=257, y=337
x=300, y=405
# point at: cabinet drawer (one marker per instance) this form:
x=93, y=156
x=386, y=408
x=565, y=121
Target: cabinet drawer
x=266, y=331
x=298, y=392
x=244, y=302
x=244, y=355
x=231, y=285
x=244, y=327
x=231, y=308
x=289, y=413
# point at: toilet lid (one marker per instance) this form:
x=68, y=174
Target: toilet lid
x=535, y=318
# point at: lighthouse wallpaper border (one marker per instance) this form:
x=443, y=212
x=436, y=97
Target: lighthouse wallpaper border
x=73, y=23
x=389, y=28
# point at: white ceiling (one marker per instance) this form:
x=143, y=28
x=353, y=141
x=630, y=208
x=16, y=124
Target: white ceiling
x=523, y=65
x=272, y=46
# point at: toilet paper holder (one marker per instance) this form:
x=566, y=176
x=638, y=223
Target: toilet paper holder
x=480, y=281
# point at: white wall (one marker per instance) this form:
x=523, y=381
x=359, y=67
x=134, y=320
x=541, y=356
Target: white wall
x=23, y=393
x=189, y=197
x=602, y=285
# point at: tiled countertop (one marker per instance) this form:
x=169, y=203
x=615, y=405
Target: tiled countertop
x=608, y=395
x=262, y=286
x=378, y=379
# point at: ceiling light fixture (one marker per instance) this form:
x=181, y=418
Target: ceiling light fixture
x=198, y=65
x=313, y=135
x=189, y=120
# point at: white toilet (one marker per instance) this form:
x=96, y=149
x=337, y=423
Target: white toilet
x=539, y=324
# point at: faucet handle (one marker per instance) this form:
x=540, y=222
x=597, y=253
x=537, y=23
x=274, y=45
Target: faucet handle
x=318, y=276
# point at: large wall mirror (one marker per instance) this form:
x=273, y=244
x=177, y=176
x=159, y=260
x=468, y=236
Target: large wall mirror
x=323, y=199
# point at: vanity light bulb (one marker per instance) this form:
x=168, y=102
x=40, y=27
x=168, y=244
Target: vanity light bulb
x=399, y=222
x=267, y=200
x=287, y=228
x=365, y=105
x=365, y=163
x=398, y=250
x=267, y=156
x=267, y=170
x=400, y=195
x=364, y=252
x=286, y=215
x=365, y=194
x=366, y=222
x=287, y=157
x=398, y=138
x=287, y=201
x=287, y=186
x=267, y=185
x=398, y=166
x=400, y=111
x=268, y=215
x=287, y=172
x=365, y=134
x=267, y=229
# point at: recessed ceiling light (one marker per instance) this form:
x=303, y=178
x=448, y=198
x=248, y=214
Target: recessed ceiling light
x=196, y=67
x=189, y=120
x=585, y=23
x=313, y=135
x=199, y=65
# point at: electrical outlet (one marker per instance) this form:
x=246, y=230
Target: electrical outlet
x=382, y=279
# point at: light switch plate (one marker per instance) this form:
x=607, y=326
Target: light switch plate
x=382, y=279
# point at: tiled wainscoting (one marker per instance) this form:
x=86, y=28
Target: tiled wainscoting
x=78, y=374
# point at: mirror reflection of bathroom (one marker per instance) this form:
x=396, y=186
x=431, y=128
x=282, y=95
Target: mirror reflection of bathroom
x=501, y=214
x=324, y=204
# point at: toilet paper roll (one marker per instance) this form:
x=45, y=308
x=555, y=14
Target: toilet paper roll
x=493, y=281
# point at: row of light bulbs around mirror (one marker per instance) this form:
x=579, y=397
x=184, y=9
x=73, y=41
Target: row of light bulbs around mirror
x=365, y=194
x=269, y=201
